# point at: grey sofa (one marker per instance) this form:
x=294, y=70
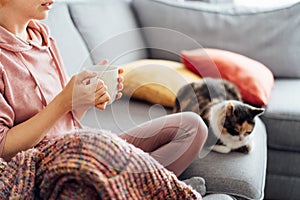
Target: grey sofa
x=124, y=31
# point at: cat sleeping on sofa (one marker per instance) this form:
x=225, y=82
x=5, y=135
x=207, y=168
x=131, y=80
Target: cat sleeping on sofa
x=219, y=103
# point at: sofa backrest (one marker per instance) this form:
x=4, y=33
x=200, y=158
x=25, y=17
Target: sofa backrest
x=270, y=35
x=87, y=32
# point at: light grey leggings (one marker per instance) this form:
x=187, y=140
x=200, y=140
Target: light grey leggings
x=173, y=140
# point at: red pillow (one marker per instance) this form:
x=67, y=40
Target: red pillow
x=254, y=80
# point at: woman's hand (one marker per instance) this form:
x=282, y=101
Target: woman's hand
x=81, y=93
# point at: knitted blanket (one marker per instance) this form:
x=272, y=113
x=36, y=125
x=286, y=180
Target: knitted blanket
x=89, y=165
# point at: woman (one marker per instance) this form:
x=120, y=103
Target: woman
x=37, y=102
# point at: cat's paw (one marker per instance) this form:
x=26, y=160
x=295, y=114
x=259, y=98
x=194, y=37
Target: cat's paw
x=245, y=149
x=220, y=148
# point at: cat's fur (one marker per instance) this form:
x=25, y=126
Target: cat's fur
x=219, y=103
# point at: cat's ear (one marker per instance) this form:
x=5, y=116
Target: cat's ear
x=229, y=109
x=256, y=111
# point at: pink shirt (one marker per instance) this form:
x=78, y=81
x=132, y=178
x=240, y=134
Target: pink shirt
x=31, y=75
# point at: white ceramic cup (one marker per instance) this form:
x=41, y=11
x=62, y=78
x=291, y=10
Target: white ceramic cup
x=109, y=75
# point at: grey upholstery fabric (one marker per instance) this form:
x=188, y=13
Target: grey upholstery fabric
x=218, y=197
x=282, y=187
x=261, y=34
x=74, y=54
x=115, y=35
x=286, y=163
x=282, y=117
x=122, y=115
x=283, y=180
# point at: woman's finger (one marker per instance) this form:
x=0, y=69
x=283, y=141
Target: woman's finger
x=101, y=106
x=120, y=70
x=100, y=91
x=120, y=87
x=118, y=95
x=102, y=100
x=120, y=79
x=103, y=62
x=85, y=75
x=94, y=86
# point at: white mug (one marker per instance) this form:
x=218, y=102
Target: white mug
x=109, y=75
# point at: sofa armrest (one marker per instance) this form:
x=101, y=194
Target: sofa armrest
x=236, y=174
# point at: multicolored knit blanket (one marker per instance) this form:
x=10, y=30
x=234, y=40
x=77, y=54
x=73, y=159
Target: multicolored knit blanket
x=88, y=165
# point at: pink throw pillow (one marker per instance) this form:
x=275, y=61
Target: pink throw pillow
x=254, y=80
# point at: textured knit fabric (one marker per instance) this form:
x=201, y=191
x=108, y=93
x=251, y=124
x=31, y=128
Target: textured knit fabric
x=89, y=165
x=31, y=75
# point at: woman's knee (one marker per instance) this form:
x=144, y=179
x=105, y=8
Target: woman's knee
x=197, y=132
x=194, y=121
x=201, y=132
x=198, y=128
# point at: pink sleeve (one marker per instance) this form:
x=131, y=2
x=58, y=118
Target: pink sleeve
x=6, y=112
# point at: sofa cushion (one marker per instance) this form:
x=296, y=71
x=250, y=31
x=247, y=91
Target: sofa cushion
x=72, y=47
x=268, y=35
x=123, y=114
x=282, y=117
x=156, y=81
x=254, y=80
x=286, y=163
x=282, y=187
x=114, y=36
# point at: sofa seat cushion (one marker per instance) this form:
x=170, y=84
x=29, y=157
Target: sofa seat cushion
x=282, y=116
x=123, y=114
x=237, y=174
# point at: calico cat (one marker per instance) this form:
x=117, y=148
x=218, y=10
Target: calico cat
x=230, y=121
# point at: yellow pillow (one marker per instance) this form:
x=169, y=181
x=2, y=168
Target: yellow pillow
x=156, y=81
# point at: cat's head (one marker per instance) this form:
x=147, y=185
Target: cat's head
x=238, y=119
